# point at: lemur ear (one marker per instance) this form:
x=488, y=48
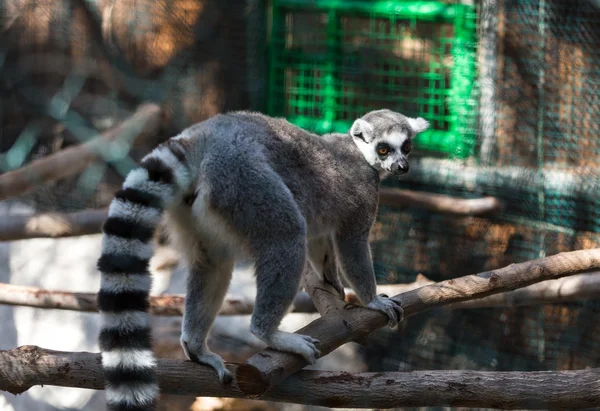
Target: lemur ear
x=362, y=130
x=418, y=124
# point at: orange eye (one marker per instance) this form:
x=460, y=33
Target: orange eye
x=383, y=151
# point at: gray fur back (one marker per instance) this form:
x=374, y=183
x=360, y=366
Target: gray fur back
x=314, y=168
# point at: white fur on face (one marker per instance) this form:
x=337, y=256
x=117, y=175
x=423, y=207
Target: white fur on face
x=388, y=163
x=368, y=151
x=362, y=133
x=395, y=140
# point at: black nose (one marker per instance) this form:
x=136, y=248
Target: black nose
x=402, y=168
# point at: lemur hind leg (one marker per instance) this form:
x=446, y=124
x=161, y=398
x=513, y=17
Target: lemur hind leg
x=208, y=281
x=279, y=269
x=280, y=262
x=263, y=212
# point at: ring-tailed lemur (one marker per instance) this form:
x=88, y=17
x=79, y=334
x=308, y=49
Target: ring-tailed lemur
x=243, y=184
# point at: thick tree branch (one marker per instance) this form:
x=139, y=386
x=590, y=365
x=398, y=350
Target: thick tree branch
x=269, y=367
x=438, y=203
x=26, y=366
x=145, y=121
x=326, y=300
x=86, y=302
x=54, y=225
x=167, y=305
x=573, y=288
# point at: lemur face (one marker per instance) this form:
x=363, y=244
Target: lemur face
x=385, y=139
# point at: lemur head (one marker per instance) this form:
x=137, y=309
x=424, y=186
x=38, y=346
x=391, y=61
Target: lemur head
x=385, y=139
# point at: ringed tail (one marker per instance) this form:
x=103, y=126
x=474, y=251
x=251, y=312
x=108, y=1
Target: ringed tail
x=128, y=362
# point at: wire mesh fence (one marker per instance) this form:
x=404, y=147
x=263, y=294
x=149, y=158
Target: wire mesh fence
x=512, y=89
x=542, y=76
x=331, y=61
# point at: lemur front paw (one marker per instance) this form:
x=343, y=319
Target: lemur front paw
x=302, y=345
x=204, y=356
x=390, y=307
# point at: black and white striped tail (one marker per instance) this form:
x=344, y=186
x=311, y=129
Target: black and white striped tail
x=123, y=300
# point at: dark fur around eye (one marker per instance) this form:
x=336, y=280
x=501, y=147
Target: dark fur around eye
x=407, y=146
x=383, y=149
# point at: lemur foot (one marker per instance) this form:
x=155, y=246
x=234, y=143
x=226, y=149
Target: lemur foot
x=390, y=307
x=207, y=357
x=302, y=345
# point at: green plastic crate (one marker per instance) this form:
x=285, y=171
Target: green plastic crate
x=331, y=61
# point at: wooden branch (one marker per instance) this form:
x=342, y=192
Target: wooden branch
x=572, y=288
x=54, y=225
x=165, y=305
x=438, y=203
x=63, y=300
x=145, y=121
x=267, y=368
x=27, y=366
x=330, y=301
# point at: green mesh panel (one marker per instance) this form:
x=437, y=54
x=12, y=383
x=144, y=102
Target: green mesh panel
x=332, y=61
